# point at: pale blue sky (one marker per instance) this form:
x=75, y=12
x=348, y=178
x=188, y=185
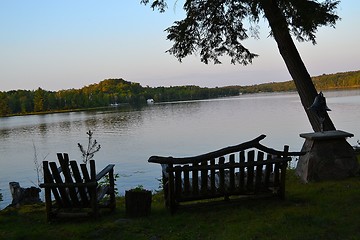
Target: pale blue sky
x=72, y=43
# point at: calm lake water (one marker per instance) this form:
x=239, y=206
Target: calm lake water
x=128, y=137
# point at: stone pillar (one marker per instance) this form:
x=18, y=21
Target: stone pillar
x=328, y=157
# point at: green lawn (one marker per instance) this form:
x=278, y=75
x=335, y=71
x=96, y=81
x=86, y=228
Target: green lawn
x=325, y=210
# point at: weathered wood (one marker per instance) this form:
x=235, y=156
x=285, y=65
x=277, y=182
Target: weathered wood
x=49, y=179
x=237, y=148
x=244, y=172
x=102, y=191
x=221, y=176
x=259, y=172
x=195, y=178
x=78, y=179
x=178, y=182
x=85, y=172
x=62, y=189
x=212, y=177
x=250, y=171
x=64, y=163
x=111, y=190
x=283, y=175
x=232, y=172
x=268, y=171
x=72, y=190
x=186, y=182
x=204, y=178
x=170, y=198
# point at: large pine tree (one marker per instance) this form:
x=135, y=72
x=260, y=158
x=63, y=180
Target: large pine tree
x=213, y=28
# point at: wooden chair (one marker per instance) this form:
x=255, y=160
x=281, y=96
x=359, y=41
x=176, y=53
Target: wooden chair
x=75, y=193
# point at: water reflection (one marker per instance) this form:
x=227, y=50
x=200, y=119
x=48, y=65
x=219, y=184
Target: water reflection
x=129, y=136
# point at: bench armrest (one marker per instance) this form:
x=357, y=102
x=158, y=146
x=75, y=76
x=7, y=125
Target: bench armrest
x=105, y=171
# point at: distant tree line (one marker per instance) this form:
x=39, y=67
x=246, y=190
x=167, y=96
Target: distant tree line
x=107, y=92
x=119, y=91
x=342, y=80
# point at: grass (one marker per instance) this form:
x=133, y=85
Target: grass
x=324, y=210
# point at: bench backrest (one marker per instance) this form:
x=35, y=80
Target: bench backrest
x=246, y=168
x=70, y=186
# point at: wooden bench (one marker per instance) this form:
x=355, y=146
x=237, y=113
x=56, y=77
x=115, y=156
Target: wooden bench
x=248, y=169
x=76, y=193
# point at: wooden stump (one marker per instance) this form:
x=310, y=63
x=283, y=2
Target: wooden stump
x=23, y=196
x=138, y=203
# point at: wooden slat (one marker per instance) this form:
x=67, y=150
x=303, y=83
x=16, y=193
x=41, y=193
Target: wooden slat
x=186, y=182
x=259, y=171
x=93, y=190
x=195, y=180
x=82, y=189
x=268, y=171
x=57, y=178
x=241, y=171
x=221, y=176
x=204, y=178
x=111, y=191
x=178, y=181
x=171, y=188
x=250, y=171
x=64, y=163
x=85, y=172
x=48, y=178
x=283, y=174
x=92, y=170
x=212, y=177
x=102, y=191
x=276, y=175
x=232, y=172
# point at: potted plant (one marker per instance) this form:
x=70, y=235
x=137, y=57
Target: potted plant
x=138, y=202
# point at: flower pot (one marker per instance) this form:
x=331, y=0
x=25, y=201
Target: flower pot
x=138, y=203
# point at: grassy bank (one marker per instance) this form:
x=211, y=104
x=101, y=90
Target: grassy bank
x=326, y=210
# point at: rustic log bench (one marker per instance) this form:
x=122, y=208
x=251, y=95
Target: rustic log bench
x=76, y=193
x=248, y=169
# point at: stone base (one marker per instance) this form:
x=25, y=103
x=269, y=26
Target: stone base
x=329, y=157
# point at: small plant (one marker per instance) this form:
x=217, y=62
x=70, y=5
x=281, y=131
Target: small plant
x=88, y=154
x=1, y=197
x=106, y=181
x=138, y=188
x=37, y=165
x=92, y=148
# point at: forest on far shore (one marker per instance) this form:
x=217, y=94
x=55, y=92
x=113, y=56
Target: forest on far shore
x=112, y=92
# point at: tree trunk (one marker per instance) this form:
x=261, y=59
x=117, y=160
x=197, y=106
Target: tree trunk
x=294, y=63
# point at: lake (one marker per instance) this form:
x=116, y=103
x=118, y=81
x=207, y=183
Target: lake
x=129, y=136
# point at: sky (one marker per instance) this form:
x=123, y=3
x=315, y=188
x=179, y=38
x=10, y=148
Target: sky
x=70, y=44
